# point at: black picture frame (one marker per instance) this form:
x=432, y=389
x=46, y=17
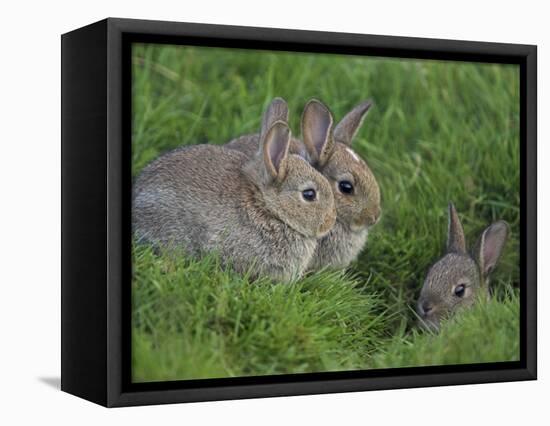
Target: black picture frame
x=96, y=230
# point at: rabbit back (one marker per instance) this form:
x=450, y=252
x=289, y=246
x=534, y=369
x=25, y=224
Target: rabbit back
x=175, y=197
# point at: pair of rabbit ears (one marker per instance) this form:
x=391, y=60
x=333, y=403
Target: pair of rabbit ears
x=317, y=126
x=275, y=139
x=490, y=244
x=318, y=134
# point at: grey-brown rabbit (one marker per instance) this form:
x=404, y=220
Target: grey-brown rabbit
x=460, y=278
x=356, y=191
x=262, y=214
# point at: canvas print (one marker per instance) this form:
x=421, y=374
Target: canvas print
x=300, y=212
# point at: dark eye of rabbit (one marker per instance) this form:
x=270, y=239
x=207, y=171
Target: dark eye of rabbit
x=460, y=290
x=346, y=187
x=309, y=194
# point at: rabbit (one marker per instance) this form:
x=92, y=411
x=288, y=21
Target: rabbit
x=262, y=215
x=459, y=278
x=356, y=191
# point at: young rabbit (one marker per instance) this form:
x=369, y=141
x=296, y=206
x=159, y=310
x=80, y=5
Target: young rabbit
x=262, y=214
x=356, y=191
x=458, y=279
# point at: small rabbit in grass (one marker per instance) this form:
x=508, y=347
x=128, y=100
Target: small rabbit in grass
x=262, y=214
x=459, y=278
x=356, y=191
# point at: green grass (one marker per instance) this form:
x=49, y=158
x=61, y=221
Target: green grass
x=193, y=319
x=439, y=131
x=486, y=333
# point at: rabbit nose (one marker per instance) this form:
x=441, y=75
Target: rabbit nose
x=426, y=308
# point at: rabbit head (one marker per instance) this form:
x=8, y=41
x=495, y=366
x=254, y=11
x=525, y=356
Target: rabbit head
x=289, y=187
x=459, y=278
x=356, y=191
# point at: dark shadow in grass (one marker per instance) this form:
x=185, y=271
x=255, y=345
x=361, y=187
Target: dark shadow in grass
x=54, y=382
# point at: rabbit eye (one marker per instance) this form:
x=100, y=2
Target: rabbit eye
x=460, y=290
x=309, y=194
x=346, y=187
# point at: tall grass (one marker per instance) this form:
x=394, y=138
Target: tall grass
x=193, y=319
x=439, y=131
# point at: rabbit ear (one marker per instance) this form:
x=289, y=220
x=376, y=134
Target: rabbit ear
x=276, y=111
x=317, y=131
x=490, y=245
x=456, y=242
x=349, y=125
x=274, y=147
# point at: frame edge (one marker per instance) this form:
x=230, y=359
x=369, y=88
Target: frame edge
x=83, y=187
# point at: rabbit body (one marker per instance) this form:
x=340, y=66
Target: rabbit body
x=206, y=198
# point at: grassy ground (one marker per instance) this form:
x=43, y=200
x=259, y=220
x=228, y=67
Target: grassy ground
x=439, y=131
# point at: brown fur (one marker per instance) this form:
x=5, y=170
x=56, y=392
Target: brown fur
x=458, y=267
x=248, y=144
x=330, y=152
x=251, y=211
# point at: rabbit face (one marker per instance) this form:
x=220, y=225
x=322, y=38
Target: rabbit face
x=453, y=282
x=459, y=279
x=356, y=192
x=303, y=200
